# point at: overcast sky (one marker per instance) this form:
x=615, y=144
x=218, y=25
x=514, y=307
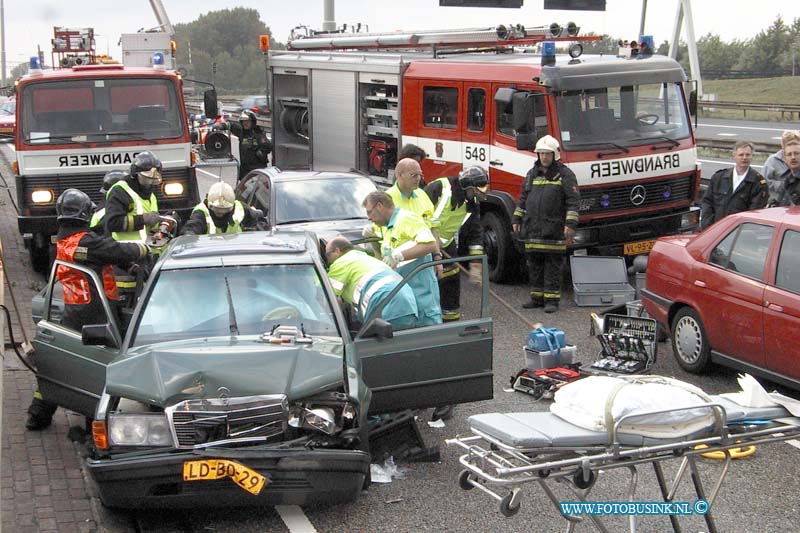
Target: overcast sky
x=30, y=22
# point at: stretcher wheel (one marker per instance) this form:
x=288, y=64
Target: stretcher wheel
x=543, y=473
x=582, y=483
x=464, y=480
x=505, y=505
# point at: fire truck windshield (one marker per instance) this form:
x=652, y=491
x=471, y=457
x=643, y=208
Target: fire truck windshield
x=98, y=110
x=622, y=116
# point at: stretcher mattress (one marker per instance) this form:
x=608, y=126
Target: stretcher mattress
x=545, y=430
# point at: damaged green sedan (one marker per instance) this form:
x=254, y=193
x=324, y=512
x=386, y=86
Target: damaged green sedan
x=240, y=381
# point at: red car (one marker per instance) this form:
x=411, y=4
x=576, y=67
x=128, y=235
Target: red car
x=731, y=294
x=8, y=118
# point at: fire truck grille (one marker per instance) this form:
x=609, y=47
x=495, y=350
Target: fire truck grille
x=246, y=419
x=637, y=195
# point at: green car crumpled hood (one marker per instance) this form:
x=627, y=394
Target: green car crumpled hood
x=166, y=373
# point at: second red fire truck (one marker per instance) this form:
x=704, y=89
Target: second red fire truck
x=481, y=97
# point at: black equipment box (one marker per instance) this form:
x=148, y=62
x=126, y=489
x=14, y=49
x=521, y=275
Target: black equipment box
x=629, y=345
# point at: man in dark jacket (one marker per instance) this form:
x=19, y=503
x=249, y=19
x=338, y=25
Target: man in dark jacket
x=736, y=189
x=254, y=145
x=789, y=191
x=545, y=221
x=82, y=304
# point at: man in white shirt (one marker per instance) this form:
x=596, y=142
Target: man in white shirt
x=731, y=190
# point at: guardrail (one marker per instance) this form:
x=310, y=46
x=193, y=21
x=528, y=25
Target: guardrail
x=744, y=107
x=196, y=106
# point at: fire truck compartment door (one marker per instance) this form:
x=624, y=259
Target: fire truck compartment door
x=334, y=117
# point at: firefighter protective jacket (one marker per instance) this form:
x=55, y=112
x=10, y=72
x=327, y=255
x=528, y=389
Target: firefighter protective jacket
x=721, y=200
x=254, y=147
x=80, y=246
x=125, y=206
x=549, y=201
x=203, y=221
x=453, y=215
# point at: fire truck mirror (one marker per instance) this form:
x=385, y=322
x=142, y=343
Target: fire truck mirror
x=523, y=110
x=526, y=141
x=210, y=103
x=503, y=97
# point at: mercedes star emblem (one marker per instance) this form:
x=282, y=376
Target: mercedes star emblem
x=638, y=194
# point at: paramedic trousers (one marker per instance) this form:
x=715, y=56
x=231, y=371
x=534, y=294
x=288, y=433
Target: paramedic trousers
x=545, y=272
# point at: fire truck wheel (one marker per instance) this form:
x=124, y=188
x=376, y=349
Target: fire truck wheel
x=498, y=246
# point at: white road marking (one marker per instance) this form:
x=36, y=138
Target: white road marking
x=794, y=442
x=728, y=134
x=295, y=519
x=740, y=127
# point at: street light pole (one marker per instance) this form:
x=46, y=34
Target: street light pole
x=3, y=41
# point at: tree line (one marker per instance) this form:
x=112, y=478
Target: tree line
x=772, y=53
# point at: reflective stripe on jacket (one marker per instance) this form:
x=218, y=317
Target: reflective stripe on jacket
x=235, y=224
x=141, y=206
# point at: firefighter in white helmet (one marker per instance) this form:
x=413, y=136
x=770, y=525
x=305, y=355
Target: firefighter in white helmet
x=221, y=212
x=544, y=221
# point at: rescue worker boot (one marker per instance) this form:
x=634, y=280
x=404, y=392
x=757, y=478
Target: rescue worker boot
x=443, y=412
x=40, y=413
x=533, y=304
x=551, y=306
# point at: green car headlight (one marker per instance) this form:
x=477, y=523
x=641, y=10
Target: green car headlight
x=139, y=430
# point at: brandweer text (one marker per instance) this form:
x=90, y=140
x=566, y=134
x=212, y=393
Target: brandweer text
x=95, y=159
x=640, y=164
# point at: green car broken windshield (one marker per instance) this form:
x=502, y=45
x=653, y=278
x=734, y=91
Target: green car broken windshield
x=199, y=302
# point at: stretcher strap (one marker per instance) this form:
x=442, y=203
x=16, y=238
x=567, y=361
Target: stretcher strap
x=609, y=415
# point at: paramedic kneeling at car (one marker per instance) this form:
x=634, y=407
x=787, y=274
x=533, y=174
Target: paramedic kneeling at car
x=364, y=282
x=82, y=304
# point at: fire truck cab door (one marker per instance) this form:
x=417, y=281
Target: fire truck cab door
x=477, y=124
x=507, y=165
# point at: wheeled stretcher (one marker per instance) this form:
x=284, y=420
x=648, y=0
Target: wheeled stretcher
x=507, y=450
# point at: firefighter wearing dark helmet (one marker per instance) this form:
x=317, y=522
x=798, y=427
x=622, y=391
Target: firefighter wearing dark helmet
x=131, y=205
x=78, y=245
x=457, y=213
x=545, y=221
x=254, y=145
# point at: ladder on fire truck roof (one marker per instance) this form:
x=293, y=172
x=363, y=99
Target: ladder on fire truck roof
x=502, y=35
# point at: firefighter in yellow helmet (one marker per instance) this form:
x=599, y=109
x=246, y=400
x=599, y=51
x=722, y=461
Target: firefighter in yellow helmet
x=545, y=221
x=221, y=212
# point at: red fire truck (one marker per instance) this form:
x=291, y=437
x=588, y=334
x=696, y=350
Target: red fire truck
x=483, y=97
x=75, y=124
